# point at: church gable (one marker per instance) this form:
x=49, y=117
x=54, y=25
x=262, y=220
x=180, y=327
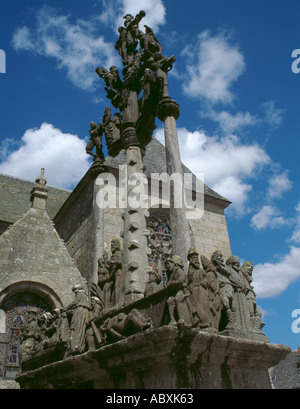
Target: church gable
x=31, y=251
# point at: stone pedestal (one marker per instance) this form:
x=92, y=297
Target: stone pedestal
x=169, y=357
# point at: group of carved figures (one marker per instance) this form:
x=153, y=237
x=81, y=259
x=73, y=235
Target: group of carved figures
x=219, y=295
x=144, y=70
x=205, y=297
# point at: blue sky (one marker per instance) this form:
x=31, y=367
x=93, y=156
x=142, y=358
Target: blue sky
x=239, y=122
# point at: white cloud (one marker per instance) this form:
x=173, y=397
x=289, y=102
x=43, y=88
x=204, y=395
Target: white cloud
x=278, y=185
x=61, y=154
x=226, y=163
x=78, y=47
x=296, y=234
x=268, y=216
x=213, y=65
x=230, y=123
x=273, y=116
x=113, y=12
x=22, y=39
x=271, y=279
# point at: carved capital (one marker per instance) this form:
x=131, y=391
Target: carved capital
x=129, y=137
x=167, y=107
x=97, y=168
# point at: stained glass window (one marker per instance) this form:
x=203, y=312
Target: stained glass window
x=16, y=308
x=160, y=242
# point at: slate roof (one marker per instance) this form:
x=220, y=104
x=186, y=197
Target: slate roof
x=15, y=198
x=155, y=162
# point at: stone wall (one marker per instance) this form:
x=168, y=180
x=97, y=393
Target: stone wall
x=33, y=258
x=164, y=358
x=74, y=225
x=87, y=230
x=210, y=232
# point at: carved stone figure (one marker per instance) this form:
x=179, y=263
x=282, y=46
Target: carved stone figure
x=112, y=131
x=254, y=310
x=99, y=290
x=148, y=82
x=149, y=44
x=93, y=336
x=226, y=288
x=128, y=35
x=57, y=330
x=160, y=65
x=239, y=294
x=123, y=325
x=175, y=274
x=113, y=82
x=197, y=286
x=116, y=274
x=153, y=283
x=213, y=290
x=78, y=311
x=29, y=332
x=96, y=133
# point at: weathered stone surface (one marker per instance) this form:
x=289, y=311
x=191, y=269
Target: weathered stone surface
x=32, y=252
x=164, y=358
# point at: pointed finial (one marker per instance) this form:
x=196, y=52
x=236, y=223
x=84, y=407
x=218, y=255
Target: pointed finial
x=39, y=193
x=41, y=179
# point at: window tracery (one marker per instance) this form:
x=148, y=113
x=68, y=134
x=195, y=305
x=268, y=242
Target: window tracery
x=16, y=309
x=160, y=242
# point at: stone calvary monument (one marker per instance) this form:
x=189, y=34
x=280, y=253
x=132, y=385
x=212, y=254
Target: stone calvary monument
x=125, y=325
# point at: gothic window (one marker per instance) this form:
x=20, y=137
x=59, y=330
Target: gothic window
x=160, y=242
x=16, y=310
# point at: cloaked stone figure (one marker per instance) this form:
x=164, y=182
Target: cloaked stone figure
x=254, y=310
x=78, y=311
x=197, y=286
x=96, y=133
x=226, y=289
x=239, y=293
x=116, y=274
x=93, y=336
x=153, y=283
x=100, y=289
x=57, y=330
x=29, y=333
x=176, y=275
x=213, y=291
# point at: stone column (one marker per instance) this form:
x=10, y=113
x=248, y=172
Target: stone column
x=97, y=221
x=168, y=111
x=135, y=249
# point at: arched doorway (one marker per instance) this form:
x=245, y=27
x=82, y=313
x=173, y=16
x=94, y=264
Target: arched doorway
x=16, y=309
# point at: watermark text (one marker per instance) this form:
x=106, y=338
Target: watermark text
x=2, y=62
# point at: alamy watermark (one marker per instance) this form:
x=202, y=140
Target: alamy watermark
x=136, y=191
x=2, y=62
x=296, y=323
x=296, y=62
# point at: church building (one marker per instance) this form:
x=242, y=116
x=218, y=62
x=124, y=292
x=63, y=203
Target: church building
x=51, y=240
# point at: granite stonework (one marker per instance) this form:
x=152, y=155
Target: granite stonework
x=89, y=303
x=34, y=258
x=166, y=358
